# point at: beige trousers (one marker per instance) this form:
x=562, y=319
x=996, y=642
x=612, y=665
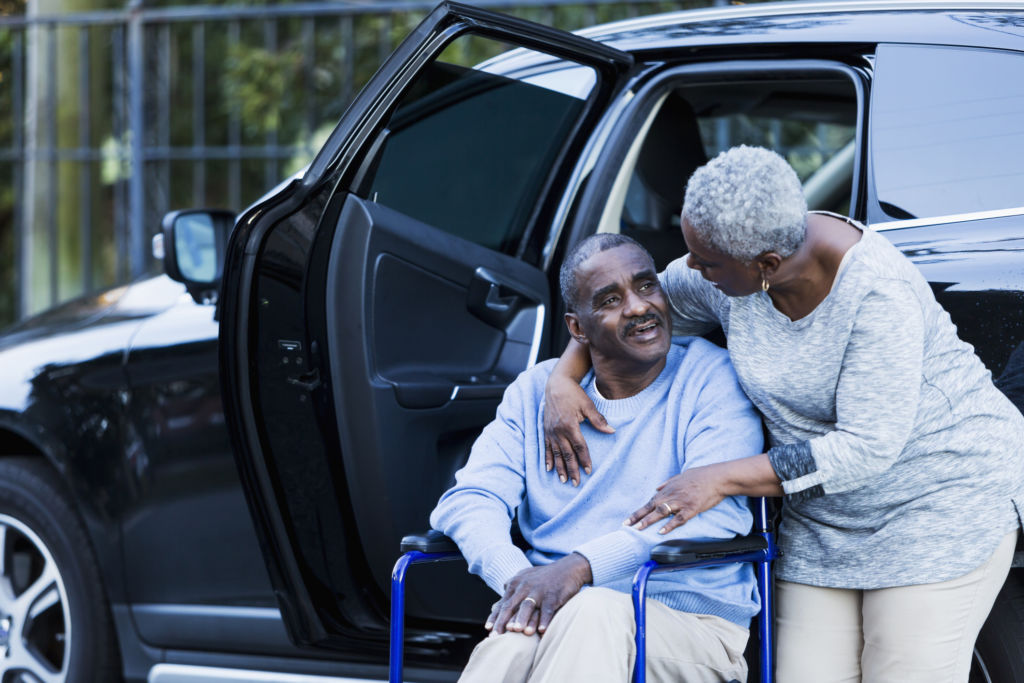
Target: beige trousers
x=591, y=639
x=909, y=634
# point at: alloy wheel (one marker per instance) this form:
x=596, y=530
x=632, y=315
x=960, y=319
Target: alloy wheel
x=35, y=622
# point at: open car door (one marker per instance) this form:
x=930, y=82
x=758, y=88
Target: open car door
x=374, y=311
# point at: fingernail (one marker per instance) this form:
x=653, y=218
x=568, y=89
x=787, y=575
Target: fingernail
x=638, y=526
x=541, y=628
x=575, y=482
x=489, y=625
x=547, y=468
x=662, y=531
x=514, y=624
x=587, y=470
x=562, y=478
x=625, y=522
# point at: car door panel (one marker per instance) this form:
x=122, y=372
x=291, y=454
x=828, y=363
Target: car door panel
x=423, y=339
x=363, y=347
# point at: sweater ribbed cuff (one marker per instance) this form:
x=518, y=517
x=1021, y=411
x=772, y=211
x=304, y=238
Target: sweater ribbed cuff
x=791, y=462
x=501, y=564
x=612, y=556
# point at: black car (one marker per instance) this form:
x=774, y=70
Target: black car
x=373, y=309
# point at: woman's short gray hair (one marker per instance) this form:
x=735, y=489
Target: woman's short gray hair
x=746, y=201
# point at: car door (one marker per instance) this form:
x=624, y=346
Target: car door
x=374, y=311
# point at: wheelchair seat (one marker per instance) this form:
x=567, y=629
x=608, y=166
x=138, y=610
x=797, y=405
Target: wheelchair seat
x=757, y=547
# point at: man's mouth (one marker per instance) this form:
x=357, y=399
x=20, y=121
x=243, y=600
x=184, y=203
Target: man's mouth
x=643, y=329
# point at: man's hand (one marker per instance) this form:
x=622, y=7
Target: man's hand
x=534, y=595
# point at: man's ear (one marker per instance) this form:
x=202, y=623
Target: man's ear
x=572, y=321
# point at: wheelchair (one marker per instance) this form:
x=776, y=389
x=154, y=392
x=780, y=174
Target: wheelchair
x=757, y=547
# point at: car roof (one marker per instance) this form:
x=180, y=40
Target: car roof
x=966, y=23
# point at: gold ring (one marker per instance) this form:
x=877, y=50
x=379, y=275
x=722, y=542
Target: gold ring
x=668, y=508
x=531, y=600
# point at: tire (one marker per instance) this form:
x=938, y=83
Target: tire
x=55, y=625
x=999, y=650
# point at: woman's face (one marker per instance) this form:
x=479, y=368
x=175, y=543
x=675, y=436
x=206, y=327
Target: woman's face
x=731, y=276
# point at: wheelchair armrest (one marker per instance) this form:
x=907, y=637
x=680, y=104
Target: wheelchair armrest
x=432, y=541
x=677, y=552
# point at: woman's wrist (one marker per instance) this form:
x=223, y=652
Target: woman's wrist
x=750, y=476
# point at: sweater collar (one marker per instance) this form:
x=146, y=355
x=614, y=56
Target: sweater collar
x=628, y=407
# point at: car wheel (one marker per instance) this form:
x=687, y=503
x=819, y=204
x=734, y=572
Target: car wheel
x=999, y=650
x=55, y=626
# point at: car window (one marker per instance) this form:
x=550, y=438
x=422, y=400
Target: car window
x=947, y=130
x=469, y=149
x=812, y=122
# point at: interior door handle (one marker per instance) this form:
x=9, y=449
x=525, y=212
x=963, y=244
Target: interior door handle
x=493, y=301
x=432, y=391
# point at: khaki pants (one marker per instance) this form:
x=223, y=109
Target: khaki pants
x=909, y=634
x=591, y=639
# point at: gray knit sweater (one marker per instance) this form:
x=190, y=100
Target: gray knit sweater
x=900, y=460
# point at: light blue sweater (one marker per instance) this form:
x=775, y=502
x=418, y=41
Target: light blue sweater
x=694, y=413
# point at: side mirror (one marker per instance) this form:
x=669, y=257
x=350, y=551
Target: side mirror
x=192, y=244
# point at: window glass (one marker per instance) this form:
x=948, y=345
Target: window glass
x=812, y=122
x=947, y=130
x=469, y=148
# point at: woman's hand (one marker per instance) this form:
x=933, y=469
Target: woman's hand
x=534, y=595
x=682, y=497
x=566, y=405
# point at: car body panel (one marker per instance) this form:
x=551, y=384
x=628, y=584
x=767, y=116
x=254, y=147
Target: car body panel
x=977, y=24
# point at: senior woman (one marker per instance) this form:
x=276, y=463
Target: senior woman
x=900, y=462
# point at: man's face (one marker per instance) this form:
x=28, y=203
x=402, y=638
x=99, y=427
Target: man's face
x=621, y=310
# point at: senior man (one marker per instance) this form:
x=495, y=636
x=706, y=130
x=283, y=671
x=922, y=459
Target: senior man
x=565, y=612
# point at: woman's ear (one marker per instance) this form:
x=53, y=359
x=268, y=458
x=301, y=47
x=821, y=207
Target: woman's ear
x=572, y=321
x=768, y=263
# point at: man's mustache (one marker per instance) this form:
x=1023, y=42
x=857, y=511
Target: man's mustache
x=633, y=324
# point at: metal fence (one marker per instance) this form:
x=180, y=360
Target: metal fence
x=108, y=119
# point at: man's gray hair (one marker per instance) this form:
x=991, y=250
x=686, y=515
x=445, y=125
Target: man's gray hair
x=746, y=201
x=583, y=250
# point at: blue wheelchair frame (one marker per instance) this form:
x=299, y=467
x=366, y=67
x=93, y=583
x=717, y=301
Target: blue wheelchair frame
x=758, y=547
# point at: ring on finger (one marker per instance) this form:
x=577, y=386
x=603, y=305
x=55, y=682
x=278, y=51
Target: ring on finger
x=668, y=508
x=529, y=599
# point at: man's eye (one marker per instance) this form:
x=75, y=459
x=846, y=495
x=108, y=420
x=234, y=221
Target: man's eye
x=609, y=301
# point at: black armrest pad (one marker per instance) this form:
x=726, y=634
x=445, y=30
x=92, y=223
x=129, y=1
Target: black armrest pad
x=429, y=542
x=674, y=552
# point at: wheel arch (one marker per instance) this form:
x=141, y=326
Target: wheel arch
x=18, y=439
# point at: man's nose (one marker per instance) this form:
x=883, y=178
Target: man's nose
x=636, y=304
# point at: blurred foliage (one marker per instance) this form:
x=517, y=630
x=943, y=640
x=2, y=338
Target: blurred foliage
x=7, y=185
x=259, y=85
x=12, y=7
x=247, y=87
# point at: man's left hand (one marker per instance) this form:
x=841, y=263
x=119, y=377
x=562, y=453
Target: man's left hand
x=534, y=595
